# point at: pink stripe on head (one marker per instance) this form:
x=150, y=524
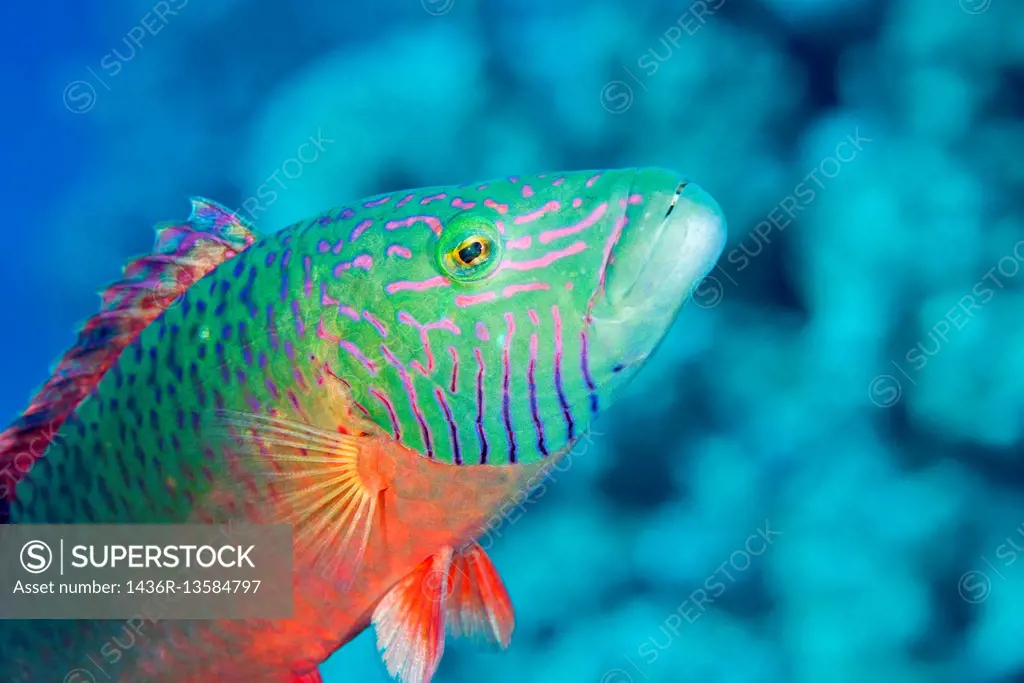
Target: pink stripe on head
x=545, y=260
x=364, y=261
x=533, y=317
x=527, y=191
x=464, y=300
x=491, y=204
x=635, y=198
x=481, y=332
x=534, y=215
x=594, y=216
x=432, y=222
x=458, y=203
x=529, y=287
x=557, y=182
x=360, y=229
x=404, y=201
x=399, y=250
x=377, y=202
x=520, y=242
x=405, y=285
x=577, y=203
x=431, y=198
x=593, y=179
x=349, y=311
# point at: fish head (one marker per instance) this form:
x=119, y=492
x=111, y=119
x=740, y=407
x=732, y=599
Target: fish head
x=528, y=302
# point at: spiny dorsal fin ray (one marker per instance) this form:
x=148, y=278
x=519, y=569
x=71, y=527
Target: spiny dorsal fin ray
x=184, y=253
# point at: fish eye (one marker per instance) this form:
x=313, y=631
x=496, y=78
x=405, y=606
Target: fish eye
x=469, y=249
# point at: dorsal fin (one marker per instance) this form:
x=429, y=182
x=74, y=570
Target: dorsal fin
x=183, y=254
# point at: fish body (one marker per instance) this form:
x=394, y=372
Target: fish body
x=384, y=376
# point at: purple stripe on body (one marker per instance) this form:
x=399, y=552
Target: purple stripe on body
x=506, y=414
x=480, y=431
x=410, y=390
x=452, y=429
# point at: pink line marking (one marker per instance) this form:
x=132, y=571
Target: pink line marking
x=545, y=260
x=399, y=250
x=458, y=203
x=577, y=203
x=530, y=287
x=500, y=226
x=359, y=356
x=432, y=222
x=433, y=197
x=635, y=198
x=325, y=298
x=609, y=245
x=404, y=201
x=513, y=179
x=324, y=334
x=338, y=246
x=527, y=191
x=416, y=365
x=481, y=332
x=533, y=317
x=424, y=330
x=382, y=330
x=307, y=267
x=323, y=246
x=377, y=202
x=594, y=217
x=464, y=300
x=482, y=187
x=593, y=179
x=436, y=281
x=349, y=311
x=534, y=215
x=557, y=182
x=363, y=262
x=359, y=229
x=520, y=242
x=491, y=204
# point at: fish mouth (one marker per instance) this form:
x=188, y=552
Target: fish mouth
x=672, y=238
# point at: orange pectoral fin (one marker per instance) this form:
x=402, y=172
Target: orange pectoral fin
x=479, y=605
x=409, y=621
x=325, y=484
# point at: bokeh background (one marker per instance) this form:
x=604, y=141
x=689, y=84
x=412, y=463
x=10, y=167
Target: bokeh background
x=818, y=479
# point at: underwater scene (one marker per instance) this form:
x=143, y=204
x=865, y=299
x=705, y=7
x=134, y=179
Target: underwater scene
x=808, y=475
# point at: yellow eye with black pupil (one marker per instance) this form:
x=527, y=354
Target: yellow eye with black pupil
x=472, y=251
x=469, y=249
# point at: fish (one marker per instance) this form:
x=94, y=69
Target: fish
x=383, y=377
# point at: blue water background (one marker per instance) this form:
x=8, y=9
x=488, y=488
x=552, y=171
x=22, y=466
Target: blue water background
x=849, y=386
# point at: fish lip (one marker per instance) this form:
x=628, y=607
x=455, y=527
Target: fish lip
x=655, y=241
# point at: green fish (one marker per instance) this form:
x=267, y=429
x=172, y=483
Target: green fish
x=384, y=377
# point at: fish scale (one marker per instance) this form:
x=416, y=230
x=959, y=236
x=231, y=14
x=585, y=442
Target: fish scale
x=352, y=332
